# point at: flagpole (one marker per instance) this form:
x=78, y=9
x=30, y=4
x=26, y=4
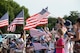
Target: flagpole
x=8, y=18
x=8, y=22
x=24, y=30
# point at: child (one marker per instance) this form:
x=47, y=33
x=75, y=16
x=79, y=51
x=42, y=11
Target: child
x=60, y=42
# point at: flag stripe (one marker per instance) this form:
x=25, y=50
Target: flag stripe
x=18, y=21
x=31, y=17
x=13, y=28
x=4, y=23
x=35, y=20
x=43, y=21
x=4, y=20
x=30, y=26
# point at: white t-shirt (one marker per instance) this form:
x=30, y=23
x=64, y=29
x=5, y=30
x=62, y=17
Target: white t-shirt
x=20, y=40
x=67, y=45
x=51, y=45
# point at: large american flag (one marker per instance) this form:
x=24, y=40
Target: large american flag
x=4, y=20
x=37, y=19
x=19, y=20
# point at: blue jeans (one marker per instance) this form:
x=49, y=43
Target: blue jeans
x=54, y=50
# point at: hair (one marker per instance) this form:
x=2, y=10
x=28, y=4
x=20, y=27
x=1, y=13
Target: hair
x=0, y=32
x=62, y=24
x=61, y=20
x=60, y=31
x=78, y=20
x=21, y=35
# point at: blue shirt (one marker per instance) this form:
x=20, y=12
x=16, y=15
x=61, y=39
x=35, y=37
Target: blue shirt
x=1, y=38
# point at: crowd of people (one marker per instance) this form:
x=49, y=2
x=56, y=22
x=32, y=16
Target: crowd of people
x=64, y=38
x=12, y=45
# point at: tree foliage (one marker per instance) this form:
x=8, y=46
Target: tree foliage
x=51, y=22
x=13, y=9
x=72, y=17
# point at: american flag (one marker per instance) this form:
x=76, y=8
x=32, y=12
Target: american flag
x=4, y=20
x=40, y=32
x=44, y=19
x=37, y=19
x=19, y=20
x=36, y=32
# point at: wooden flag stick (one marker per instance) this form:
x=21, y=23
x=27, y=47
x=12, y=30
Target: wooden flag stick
x=24, y=30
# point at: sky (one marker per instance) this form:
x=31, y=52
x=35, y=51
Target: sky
x=57, y=8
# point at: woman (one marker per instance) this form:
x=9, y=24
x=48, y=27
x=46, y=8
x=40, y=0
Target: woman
x=76, y=36
x=60, y=42
x=68, y=42
x=21, y=37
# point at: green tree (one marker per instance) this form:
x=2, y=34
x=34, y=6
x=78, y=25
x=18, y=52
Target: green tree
x=72, y=17
x=13, y=9
x=51, y=22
